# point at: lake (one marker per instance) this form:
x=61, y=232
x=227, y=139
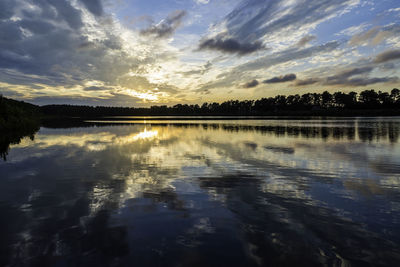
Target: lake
x=168, y=192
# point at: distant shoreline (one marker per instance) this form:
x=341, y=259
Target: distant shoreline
x=15, y=115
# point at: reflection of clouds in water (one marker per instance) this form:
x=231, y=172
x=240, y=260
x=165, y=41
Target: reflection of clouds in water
x=191, y=237
x=284, y=187
x=285, y=150
x=282, y=181
x=392, y=181
x=90, y=141
x=98, y=198
x=199, y=152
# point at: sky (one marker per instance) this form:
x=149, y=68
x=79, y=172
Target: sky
x=163, y=52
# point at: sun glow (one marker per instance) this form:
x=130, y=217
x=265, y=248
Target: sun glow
x=148, y=96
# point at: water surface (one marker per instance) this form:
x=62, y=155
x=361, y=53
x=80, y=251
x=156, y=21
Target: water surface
x=139, y=192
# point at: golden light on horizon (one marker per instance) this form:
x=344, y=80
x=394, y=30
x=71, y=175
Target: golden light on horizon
x=146, y=96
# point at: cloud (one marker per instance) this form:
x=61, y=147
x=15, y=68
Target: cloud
x=286, y=56
x=356, y=76
x=61, y=46
x=350, y=72
x=251, y=84
x=95, y=88
x=375, y=35
x=115, y=99
x=364, y=37
x=204, y=2
x=306, y=82
x=305, y=40
x=230, y=45
x=94, y=6
x=65, y=46
x=200, y=71
x=256, y=20
x=64, y=11
x=282, y=79
x=166, y=27
x=228, y=78
x=6, y=8
x=363, y=81
x=388, y=55
x=141, y=84
x=44, y=41
x=353, y=30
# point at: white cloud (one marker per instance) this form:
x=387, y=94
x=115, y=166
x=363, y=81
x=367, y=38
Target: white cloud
x=204, y=2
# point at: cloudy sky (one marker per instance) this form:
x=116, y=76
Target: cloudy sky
x=151, y=52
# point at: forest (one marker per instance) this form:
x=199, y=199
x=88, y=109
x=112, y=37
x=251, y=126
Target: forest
x=366, y=103
x=17, y=115
x=17, y=120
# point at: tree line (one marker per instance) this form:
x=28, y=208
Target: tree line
x=368, y=102
x=17, y=120
x=16, y=115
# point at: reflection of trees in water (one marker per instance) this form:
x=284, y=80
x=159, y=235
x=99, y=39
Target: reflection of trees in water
x=13, y=137
x=365, y=131
x=349, y=130
x=285, y=231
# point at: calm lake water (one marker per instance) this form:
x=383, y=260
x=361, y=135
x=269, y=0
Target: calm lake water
x=204, y=193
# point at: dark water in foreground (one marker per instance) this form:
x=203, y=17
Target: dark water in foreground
x=198, y=193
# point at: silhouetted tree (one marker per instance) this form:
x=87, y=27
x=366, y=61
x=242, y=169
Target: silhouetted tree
x=370, y=99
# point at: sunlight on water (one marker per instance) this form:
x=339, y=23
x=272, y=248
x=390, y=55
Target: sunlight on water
x=273, y=192
x=145, y=135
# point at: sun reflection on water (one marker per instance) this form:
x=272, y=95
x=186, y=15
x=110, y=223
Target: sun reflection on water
x=146, y=134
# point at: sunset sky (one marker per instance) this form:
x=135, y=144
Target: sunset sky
x=163, y=52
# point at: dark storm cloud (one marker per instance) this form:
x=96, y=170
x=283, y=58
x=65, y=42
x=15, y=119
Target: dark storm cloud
x=387, y=56
x=166, y=27
x=251, y=84
x=94, y=6
x=230, y=45
x=282, y=79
